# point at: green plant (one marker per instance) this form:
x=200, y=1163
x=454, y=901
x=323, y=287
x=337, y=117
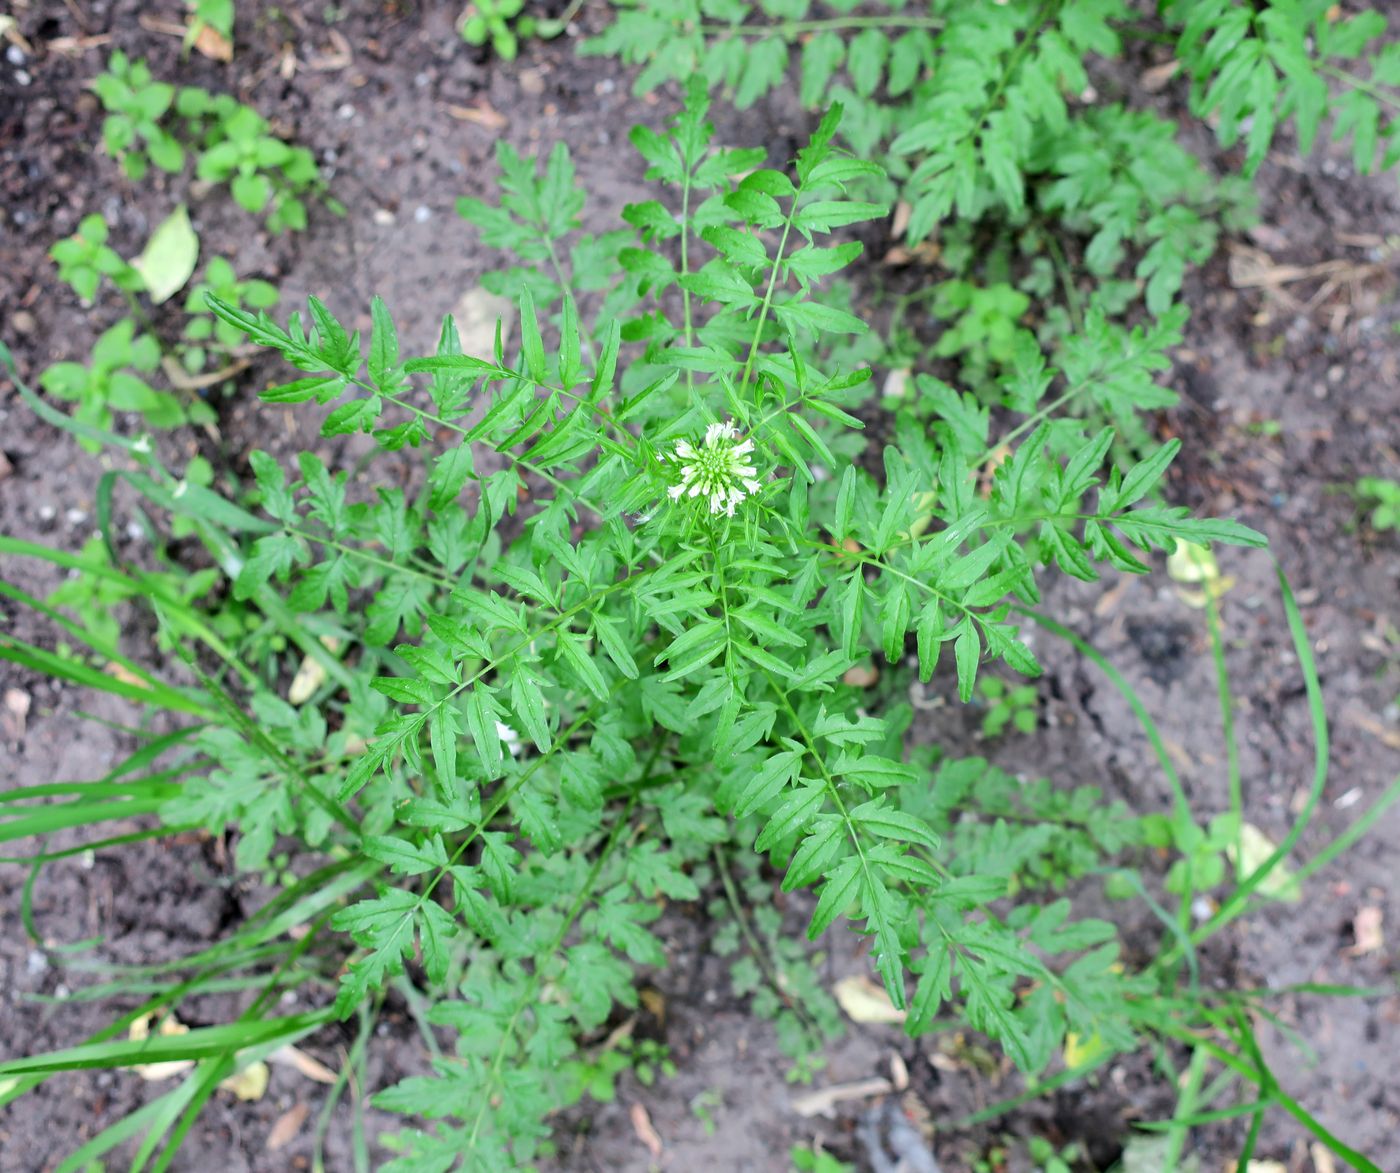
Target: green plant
x=135, y=103
x=1382, y=498
x=217, y=14
x=1007, y=706
x=231, y=143
x=1048, y=1159
x=85, y=258
x=597, y=657
x=807, y=1160
x=115, y=380
x=204, y=332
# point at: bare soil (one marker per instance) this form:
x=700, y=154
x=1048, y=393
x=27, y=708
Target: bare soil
x=1290, y=393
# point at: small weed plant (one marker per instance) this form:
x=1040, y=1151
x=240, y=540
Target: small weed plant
x=648, y=622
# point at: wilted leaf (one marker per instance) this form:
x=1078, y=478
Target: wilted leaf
x=1190, y=563
x=311, y=674
x=1366, y=926
x=285, y=1127
x=1081, y=1049
x=1254, y=848
x=300, y=1061
x=168, y=260
x=646, y=1133
x=1148, y=1154
x=141, y=1029
x=864, y=1001
x=476, y=314
x=211, y=43
x=248, y=1084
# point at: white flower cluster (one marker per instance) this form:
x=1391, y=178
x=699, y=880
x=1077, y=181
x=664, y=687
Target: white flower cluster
x=716, y=469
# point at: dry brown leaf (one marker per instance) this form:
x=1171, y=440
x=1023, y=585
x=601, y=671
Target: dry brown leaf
x=302, y=1062
x=642, y=1126
x=213, y=44
x=153, y=24
x=861, y=676
x=900, y=223
x=124, y=674
x=1366, y=926
x=14, y=718
x=899, y=1072
x=285, y=1128
x=1155, y=80
x=823, y=1101
x=864, y=1001
x=340, y=56
x=6, y=468
x=484, y=115
x=73, y=45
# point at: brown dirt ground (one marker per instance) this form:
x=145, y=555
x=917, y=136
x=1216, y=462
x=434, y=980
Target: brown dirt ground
x=1321, y=362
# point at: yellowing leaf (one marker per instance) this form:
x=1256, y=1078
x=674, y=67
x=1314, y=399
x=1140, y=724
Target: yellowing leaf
x=248, y=1084
x=1254, y=848
x=1190, y=563
x=168, y=259
x=1081, y=1049
x=864, y=1001
x=169, y=1025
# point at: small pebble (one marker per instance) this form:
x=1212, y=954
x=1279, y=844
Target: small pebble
x=134, y=531
x=422, y=213
x=14, y=55
x=383, y=216
x=345, y=112
x=47, y=512
x=76, y=517
x=22, y=77
x=606, y=86
x=531, y=82
x=423, y=79
x=35, y=963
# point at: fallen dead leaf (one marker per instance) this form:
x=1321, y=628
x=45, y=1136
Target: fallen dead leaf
x=302, y=1062
x=823, y=1101
x=864, y=1001
x=169, y=1025
x=250, y=1083
x=896, y=383
x=902, y=211
x=1366, y=926
x=476, y=314
x=899, y=1072
x=9, y=29
x=861, y=676
x=340, y=56
x=14, y=719
x=124, y=674
x=484, y=115
x=211, y=43
x=642, y=1126
x=1155, y=80
x=285, y=1128
x=1322, y=1158
x=153, y=24
x=72, y=45
x=311, y=674
x=654, y=1003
